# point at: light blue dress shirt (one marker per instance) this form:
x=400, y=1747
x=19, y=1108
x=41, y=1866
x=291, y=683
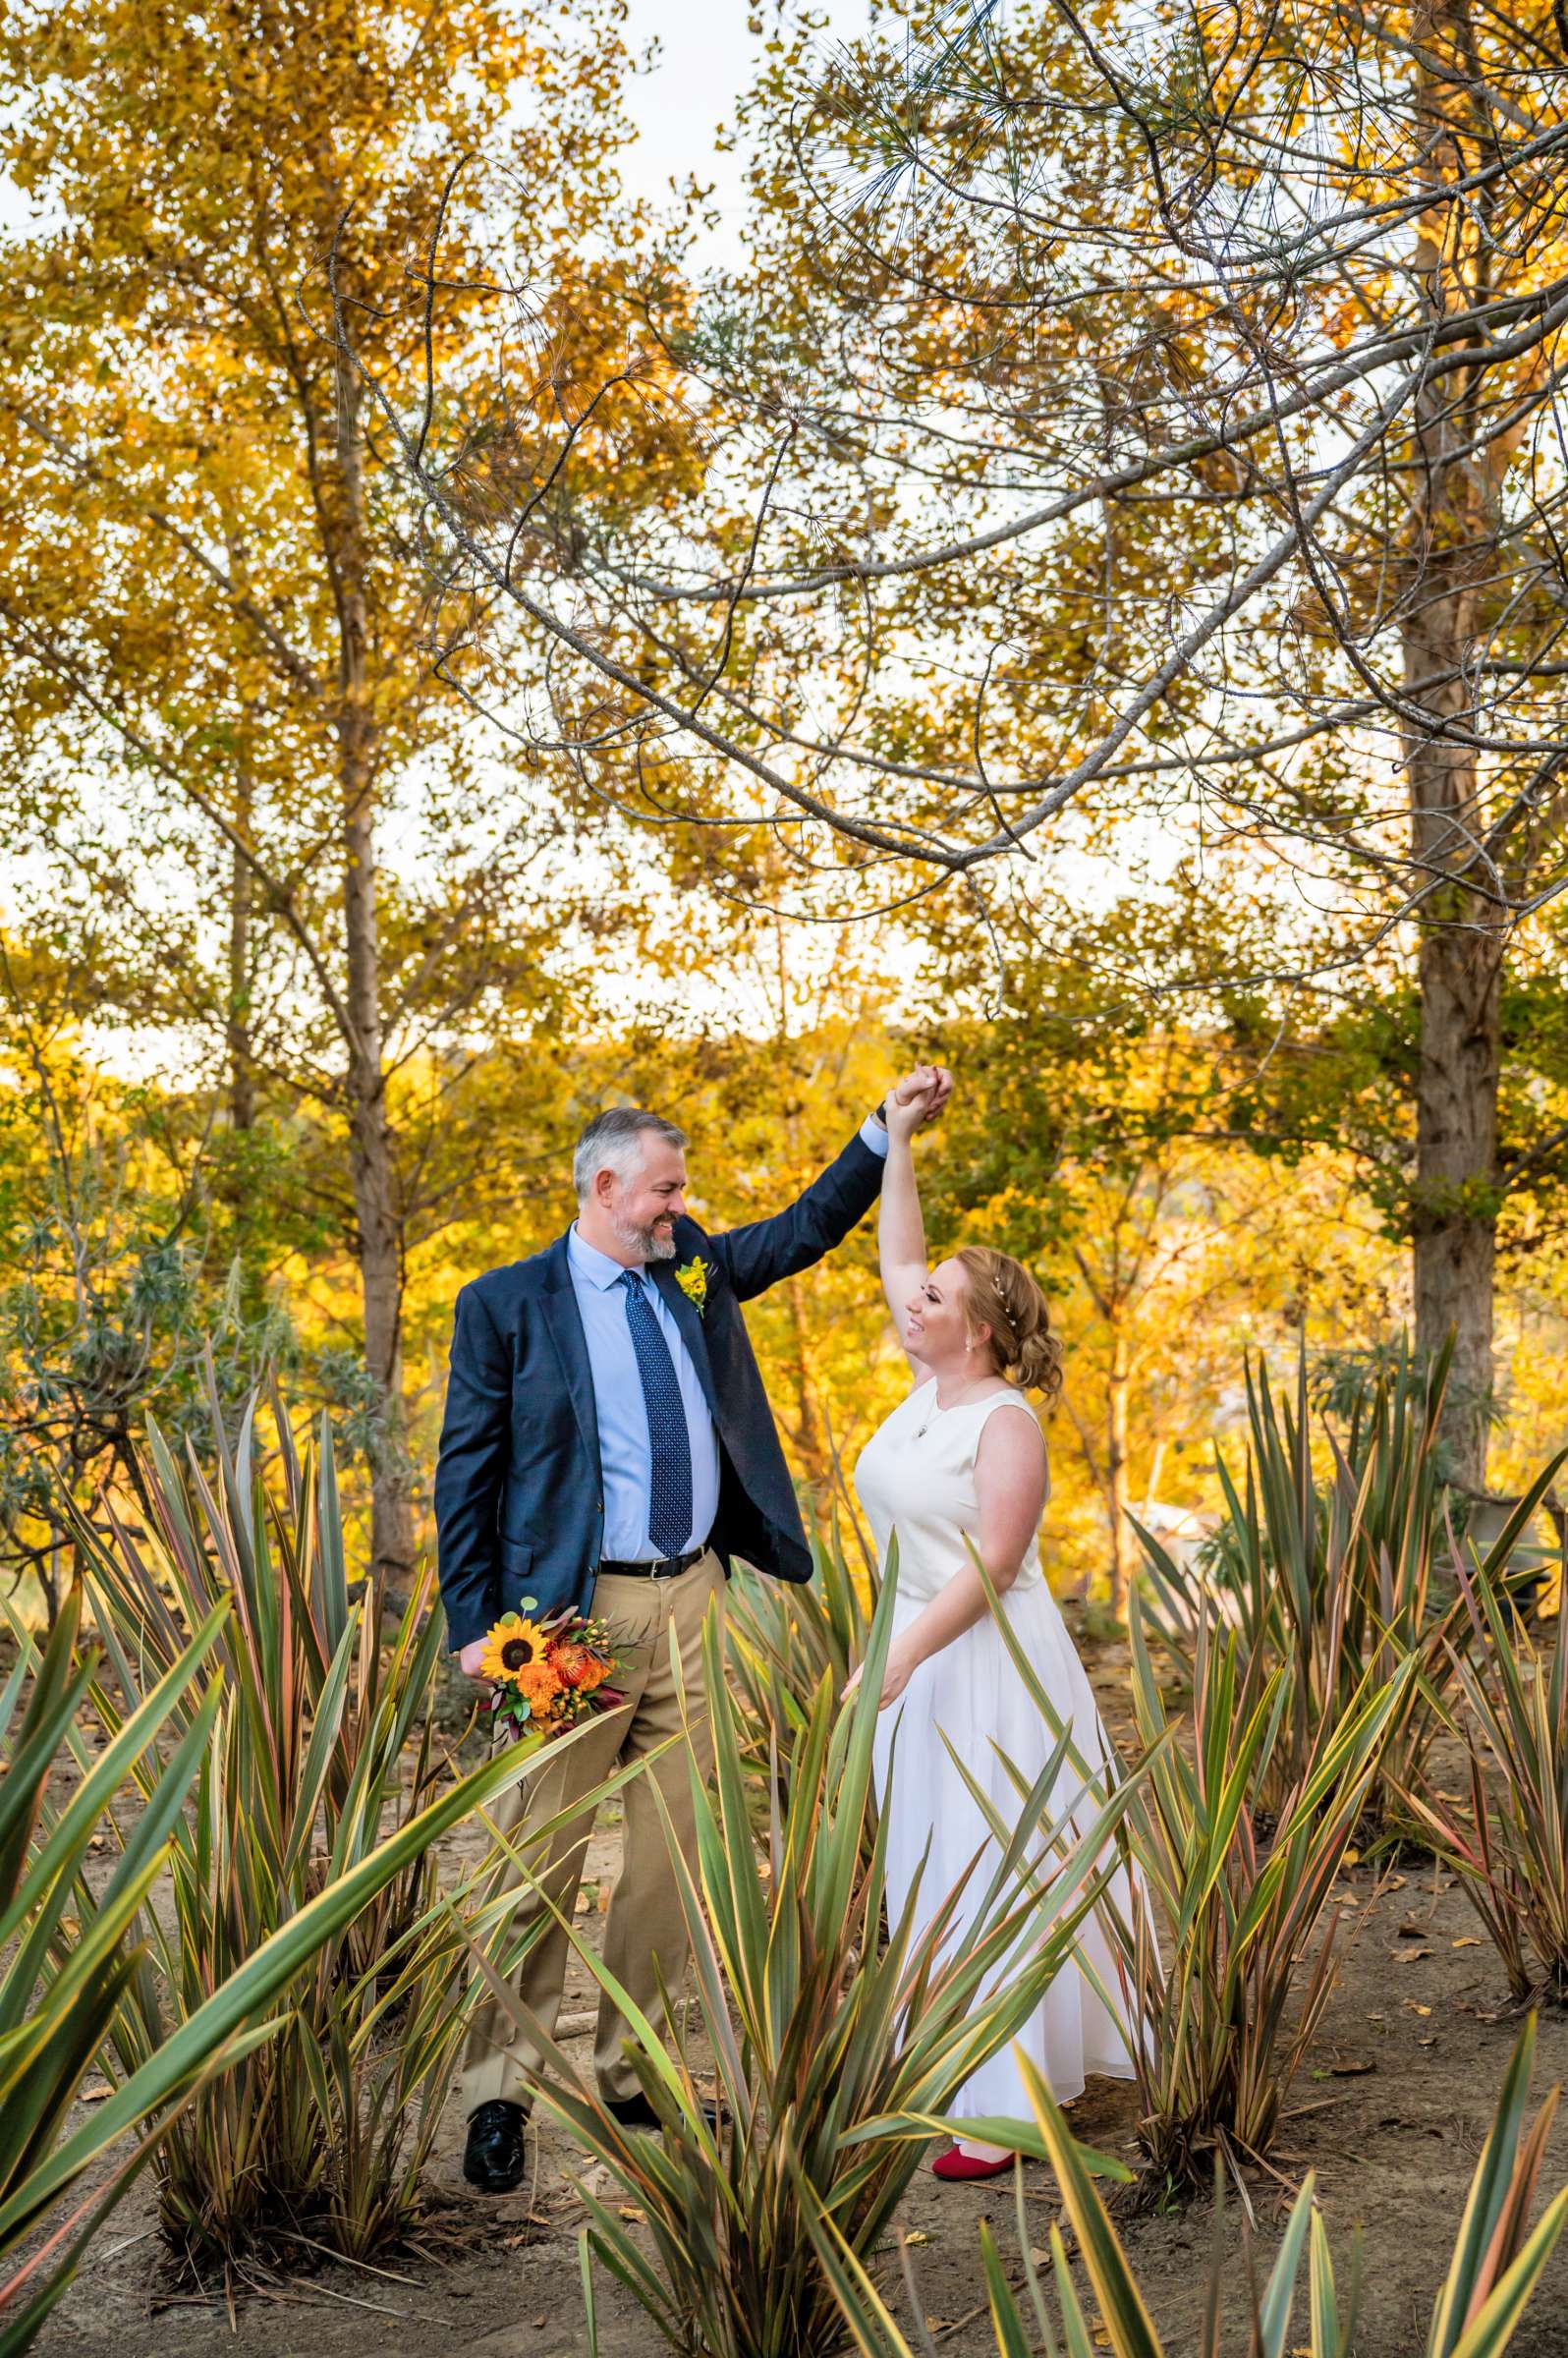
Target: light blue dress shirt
x=624, y=1455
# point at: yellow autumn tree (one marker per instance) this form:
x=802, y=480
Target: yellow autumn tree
x=288, y=837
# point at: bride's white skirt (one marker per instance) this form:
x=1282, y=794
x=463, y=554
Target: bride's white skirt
x=972, y=1693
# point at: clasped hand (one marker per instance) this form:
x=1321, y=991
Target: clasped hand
x=917, y=1099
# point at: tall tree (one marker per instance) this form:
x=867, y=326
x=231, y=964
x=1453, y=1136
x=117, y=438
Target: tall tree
x=1128, y=420
x=219, y=688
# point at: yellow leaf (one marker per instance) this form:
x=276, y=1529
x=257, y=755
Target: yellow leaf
x=917, y=2236
x=1468, y=1941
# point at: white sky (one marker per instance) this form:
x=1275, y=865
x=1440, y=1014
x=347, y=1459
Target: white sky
x=707, y=59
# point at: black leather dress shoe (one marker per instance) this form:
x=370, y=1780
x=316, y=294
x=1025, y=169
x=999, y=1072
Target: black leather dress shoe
x=635, y=2112
x=492, y=2158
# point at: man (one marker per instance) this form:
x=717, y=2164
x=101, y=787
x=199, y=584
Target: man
x=608, y=1446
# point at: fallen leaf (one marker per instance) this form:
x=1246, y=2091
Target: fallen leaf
x=1426, y=2041
x=1468, y=1941
x=1351, y=2070
x=917, y=2236
x=1350, y=1858
x=1417, y=2009
x=1408, y=1930
x=93, y=2091
x=1409, y=1956
x=631, y=2211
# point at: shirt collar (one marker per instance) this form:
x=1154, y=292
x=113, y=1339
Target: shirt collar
x=590, y=1265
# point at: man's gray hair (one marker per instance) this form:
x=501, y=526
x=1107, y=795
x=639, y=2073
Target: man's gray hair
x=613, y=1139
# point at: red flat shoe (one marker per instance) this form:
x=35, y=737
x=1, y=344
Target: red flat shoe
x=959, y=2167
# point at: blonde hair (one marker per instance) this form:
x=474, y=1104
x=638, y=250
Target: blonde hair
x=1003, y=1296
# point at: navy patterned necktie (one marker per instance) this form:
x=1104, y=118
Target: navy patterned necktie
x=669, y=1507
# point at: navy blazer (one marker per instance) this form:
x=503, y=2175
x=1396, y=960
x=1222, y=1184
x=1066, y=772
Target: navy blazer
x=519, y=1495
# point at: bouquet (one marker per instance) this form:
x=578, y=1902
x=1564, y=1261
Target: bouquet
x=548, y=1674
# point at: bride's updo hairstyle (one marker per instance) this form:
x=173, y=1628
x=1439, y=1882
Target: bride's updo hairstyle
x=1003, y=1296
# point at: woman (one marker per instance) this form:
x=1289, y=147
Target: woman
x=963, y=1459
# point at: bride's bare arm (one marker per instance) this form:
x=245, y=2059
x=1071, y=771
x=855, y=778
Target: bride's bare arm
x=1010, y=1486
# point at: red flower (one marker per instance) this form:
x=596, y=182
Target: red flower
x=574, y=1665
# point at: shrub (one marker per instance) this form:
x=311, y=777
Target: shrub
x=1336, y=1580
x=321, y=1741
x=1510, y=1847
x=1221, y=2013
x=71, y=1972
x=782, y=1639
x=835, y=2057
x=1497, y=2262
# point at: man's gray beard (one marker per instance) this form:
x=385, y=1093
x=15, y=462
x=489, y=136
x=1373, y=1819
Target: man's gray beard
x=646, y=1241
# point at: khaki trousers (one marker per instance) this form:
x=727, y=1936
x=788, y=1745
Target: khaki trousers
x=644, y=1935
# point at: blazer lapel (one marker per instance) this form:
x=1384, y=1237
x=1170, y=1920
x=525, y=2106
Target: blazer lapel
x=564, y=1324
x=690, y=1323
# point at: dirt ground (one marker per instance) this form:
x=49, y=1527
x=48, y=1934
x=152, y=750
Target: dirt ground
x=1389, y=2114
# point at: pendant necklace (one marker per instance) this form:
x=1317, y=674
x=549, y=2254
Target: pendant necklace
x=936, y=1410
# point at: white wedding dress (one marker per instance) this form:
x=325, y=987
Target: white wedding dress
x=915, y=1476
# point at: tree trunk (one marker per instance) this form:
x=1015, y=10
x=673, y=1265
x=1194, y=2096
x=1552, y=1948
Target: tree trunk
x=237, y=1026
x=376, y=1197
x=1454, y=1209
x=1455, y=1223
x=809, y=1443
x=242, y=885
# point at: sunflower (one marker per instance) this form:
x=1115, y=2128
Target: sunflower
x=513, y=1646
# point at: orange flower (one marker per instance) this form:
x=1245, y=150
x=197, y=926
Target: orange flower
x=575, y=1667
x=538, y=1682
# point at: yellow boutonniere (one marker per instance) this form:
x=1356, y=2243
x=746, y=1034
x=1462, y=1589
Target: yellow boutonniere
x=692, y=1278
